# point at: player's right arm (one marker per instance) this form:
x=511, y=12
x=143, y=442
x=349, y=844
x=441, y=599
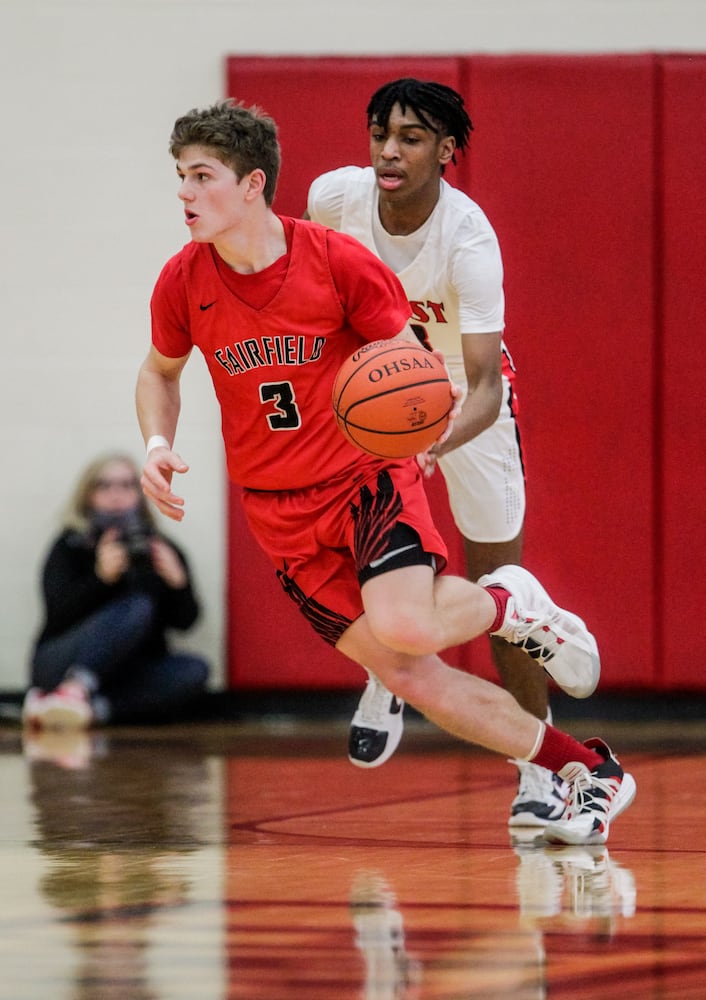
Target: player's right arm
x=427, y=459
x=158, y=402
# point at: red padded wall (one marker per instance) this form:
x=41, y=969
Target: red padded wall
x=591, y=170
x=563, y=163
x=682, y=479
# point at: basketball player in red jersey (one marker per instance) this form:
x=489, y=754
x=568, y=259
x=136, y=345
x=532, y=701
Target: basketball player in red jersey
x=275, y=305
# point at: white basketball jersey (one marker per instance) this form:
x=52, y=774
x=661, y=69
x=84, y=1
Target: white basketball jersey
x=451, y=268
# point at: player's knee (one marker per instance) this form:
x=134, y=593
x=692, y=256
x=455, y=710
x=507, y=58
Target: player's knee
x=404, y=632
x=409, y=677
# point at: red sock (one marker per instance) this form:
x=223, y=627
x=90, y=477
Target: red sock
x=559, y=748
x=500, y=596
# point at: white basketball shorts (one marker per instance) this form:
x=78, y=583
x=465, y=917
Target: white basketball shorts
x=485, y=480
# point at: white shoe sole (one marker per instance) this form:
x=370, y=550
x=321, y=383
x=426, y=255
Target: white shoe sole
x=528, y=820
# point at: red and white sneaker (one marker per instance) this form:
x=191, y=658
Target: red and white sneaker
x=556, y=639
x=67, y=707
x=595, y=799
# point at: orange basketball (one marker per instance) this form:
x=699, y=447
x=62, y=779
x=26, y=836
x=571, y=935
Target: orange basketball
x=392, y=398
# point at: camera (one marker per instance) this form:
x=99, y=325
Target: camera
x=133, y=531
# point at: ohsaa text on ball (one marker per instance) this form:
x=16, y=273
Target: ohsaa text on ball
x=395, y=367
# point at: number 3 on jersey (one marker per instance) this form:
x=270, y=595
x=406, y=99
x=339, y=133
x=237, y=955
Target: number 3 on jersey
x=286, y=416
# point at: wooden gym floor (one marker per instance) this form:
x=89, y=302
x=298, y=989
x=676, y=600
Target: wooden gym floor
x=244, y=861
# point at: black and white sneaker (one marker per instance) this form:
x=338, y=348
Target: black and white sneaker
x=376, y=727
x=541, y=796
x=595, y=799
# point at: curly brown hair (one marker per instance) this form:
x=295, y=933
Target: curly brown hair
x=244, y=139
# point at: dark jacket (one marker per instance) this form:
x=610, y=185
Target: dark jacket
x=72, y=591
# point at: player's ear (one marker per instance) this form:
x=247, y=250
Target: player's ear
x=256, y=181
x=447, y=148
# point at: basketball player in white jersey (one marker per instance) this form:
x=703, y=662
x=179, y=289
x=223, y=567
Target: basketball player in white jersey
x=446, y=254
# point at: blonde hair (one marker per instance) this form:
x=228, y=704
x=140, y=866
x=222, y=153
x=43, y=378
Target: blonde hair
x=78, y=511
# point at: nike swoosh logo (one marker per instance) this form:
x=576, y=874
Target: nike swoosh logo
x=389, y=555
x=207, y=306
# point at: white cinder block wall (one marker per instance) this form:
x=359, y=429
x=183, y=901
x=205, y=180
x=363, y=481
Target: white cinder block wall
x=89, y=214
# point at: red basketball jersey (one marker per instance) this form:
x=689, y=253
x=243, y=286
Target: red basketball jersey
x=273, y=366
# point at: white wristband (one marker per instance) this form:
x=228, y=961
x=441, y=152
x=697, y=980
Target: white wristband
x=157, y=441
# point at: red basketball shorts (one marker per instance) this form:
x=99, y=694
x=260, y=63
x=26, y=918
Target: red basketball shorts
x=321, y=538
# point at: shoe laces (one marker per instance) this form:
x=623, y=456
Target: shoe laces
x=525, y=624
x=588, y=793
x=375, y=704
x=534, y=634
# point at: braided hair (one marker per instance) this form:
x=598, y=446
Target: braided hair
x=437, y=106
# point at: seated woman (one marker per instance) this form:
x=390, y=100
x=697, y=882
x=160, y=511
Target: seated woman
x=112, y=588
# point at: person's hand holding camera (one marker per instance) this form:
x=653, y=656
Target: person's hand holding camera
x=167, y=564
x=112, y=557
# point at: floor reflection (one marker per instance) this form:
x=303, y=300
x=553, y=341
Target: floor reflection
x=427, y=949
x=390, y=972
x=572, y=885
x=114, y=828
x=156, y=865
